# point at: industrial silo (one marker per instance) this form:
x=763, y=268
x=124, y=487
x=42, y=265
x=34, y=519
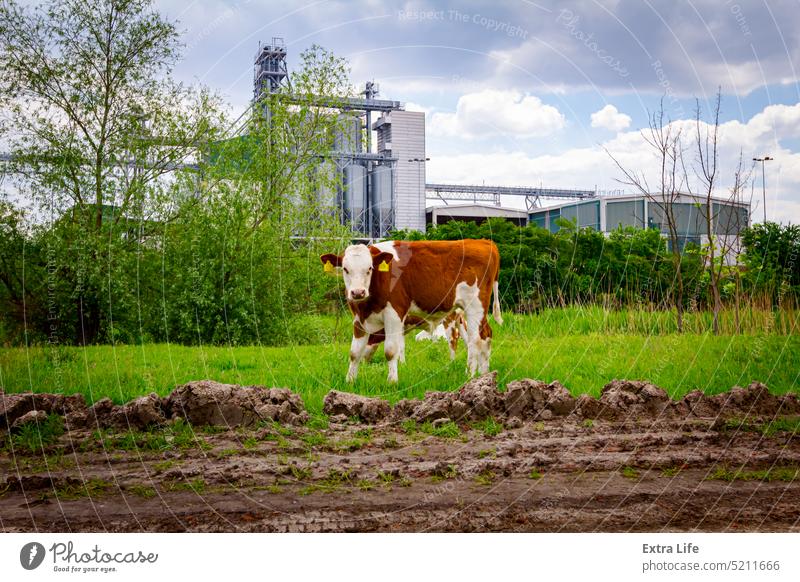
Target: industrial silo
x=355, y=195
x=348, y=134
x=382, y=198
x=329, y=179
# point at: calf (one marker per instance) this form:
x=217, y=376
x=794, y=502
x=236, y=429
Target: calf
x=391, y=284
x=451, y=329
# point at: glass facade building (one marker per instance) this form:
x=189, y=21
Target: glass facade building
x=606, y=214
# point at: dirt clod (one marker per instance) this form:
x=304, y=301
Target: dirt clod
x=140, y=413
x=13, y=406
x=476, y=400
x=34, y=416
x=206, y=402
x=632, y=397
x=513, y=422
x=369, y=410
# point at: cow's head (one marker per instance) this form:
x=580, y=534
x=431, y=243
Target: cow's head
x=357, y=265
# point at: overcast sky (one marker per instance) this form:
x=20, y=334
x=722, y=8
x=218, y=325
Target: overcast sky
x=533, y=93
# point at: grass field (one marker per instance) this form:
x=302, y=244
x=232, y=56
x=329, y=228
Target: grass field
x=582, y=348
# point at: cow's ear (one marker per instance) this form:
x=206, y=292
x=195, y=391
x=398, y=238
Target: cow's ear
x=330, y=262
x=381, y=261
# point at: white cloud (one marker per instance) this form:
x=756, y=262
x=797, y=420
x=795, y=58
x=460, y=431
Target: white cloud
x=411, y=106
x=609, y=118
x=591, y=167
x=492, y=112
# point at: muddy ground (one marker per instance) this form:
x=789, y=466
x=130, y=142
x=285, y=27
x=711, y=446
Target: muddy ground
x=538, y=471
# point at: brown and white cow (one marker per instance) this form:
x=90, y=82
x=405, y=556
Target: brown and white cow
x=391, y=284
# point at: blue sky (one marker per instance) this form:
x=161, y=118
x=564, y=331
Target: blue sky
x=522, y=92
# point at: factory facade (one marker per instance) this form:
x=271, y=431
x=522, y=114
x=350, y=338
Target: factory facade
x=381, y=186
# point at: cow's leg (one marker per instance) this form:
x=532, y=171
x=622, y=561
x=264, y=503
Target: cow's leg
x=452, y=333
x=370, y=351
x=403, y=348
x=358, y=348
x=473, y=348
x=484, y=346
x=394, y=346
x=468, y=299
x=375, y=339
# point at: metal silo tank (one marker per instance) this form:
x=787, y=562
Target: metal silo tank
x=328, y=183
x=355, y=195
x=348, y=134
x=382, y=198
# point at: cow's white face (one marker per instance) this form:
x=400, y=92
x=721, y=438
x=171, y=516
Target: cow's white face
x=357, y=272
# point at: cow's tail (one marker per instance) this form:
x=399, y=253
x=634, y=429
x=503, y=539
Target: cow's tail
x=498, y=317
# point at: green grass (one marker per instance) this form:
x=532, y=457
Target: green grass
x=787, y=474
x=390, y=442
x=300, y=473
x=489, y=427
x=58, y=460
x=314, y=439
x=36, y=437
x=415, y=430
x=386, y=478
x=198, y=485
x=448, y=472
x=448, y=430
x=163, y=466
x=629, y=473
x=334, y=481
x=179, y=434
x=580, y=320
x=485, y=478
x=143, y=491
x=90, y=488
x=348, y=445
x=583, y=348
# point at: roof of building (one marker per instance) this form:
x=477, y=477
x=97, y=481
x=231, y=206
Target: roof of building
x=683, y=197
x=476, y=210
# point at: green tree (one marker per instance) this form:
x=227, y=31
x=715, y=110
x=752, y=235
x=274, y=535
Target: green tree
x=246, y=259
x=663, y=140
x=98, y=125
x=772, y=260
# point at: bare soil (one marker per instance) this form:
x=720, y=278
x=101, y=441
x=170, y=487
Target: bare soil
x=562, y=474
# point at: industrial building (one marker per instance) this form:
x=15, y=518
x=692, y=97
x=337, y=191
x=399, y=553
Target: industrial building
x=478, y=213
x=379, y=188
x=606, y=214
x=382, y=186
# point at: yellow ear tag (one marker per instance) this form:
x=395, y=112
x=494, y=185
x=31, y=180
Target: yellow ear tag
x=328, y=267
x=384, y=266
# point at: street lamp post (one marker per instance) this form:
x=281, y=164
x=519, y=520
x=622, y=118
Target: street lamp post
x=419, y=162
x=763, y=182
